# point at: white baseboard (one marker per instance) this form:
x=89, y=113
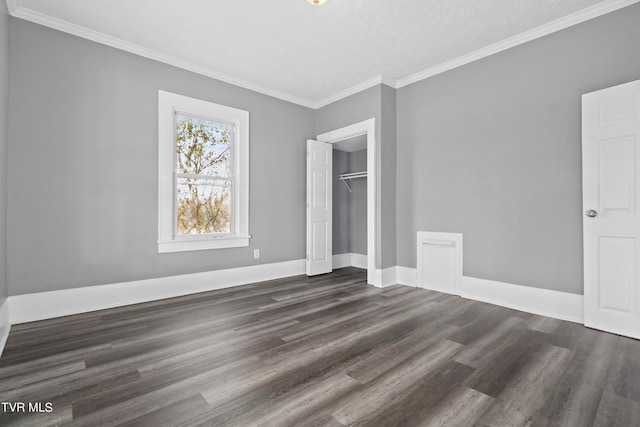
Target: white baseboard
x=46, y=305
x=545, y=302
x=359, y=261
x=389, y=276
x=5, y=325
x=350, y=260
x=385, y=277
x=406, y=276
x=341, y=261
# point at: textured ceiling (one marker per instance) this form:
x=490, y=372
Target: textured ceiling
x=306, y=51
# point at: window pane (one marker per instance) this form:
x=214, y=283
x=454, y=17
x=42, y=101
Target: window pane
x=204, y=206
x=203, y=147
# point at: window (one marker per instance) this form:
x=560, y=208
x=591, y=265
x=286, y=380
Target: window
x=204, y=175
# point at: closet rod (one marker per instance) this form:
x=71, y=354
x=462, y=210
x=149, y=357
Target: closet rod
x=353, y=175
x=349, y=176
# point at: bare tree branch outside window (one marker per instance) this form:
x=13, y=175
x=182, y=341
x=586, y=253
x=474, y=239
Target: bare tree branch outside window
x=204, y=176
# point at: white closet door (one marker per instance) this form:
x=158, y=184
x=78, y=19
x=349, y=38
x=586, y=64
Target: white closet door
x=611, y=221
x=319, y=207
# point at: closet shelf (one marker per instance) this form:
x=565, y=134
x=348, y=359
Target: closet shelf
x=349, y=176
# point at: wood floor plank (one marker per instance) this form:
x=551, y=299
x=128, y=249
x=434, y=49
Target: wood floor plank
x=486, y=323
x=528, y=391
x=421, y=398
x=299, y=408
x=87, y=391
x=627, y=377
x=486, y=346
x=18, y=367
x=389, y=357
x=171, y=415
x=154, y=378
x=319, y=351
x=576, y=397
x=113, y=410
x=320, y=326
x=545, y=324
x=288, y=369
x=462, y=407
x=506, y=363
x=379, y=393
x=54, y=386
x=617, y=411
x=34, y=352
x=19, y=381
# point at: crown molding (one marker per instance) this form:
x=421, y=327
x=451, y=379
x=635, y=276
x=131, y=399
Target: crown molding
x=607, y=6
x=12, y=6
x=535, y=33
x=390, y=82
x=57, y=24
x=374, y=81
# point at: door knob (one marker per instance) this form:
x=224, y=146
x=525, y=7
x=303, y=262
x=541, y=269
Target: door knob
x=591, y=213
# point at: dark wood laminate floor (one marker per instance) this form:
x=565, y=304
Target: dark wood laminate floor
x=322, y=351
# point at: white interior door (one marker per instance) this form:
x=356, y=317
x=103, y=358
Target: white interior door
x=319, y=207
x=611, y=191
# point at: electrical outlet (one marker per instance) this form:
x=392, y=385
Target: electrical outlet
x=256, y=253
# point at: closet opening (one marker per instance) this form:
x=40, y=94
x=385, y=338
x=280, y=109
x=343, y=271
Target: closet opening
x=353, y=180
x=350, y=202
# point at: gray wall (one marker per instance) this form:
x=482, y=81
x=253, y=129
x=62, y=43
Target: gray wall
x=371, y=103
x=340, y=202
x=388, y=176
x=493, y=150
x=4, y=110
x=358, y=204
x=352, y=109
x=349, y=208
x=83, y=163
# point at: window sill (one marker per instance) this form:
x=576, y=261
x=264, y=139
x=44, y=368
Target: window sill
x=202, y=244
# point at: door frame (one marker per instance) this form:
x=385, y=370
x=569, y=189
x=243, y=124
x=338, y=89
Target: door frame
x=368, y=128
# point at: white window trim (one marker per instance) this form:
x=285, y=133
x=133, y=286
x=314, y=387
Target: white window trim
x=168, y=104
